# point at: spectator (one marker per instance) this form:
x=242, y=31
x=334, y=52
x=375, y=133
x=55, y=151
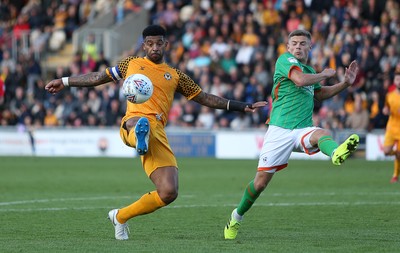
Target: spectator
x=50, y=120
x=206, y=118
x=90, y=53
x=8, y=61
x=87, y=10
x=189, y=115
x=376, y=118
x=71, y=21
x=94, y=101
x=2, y=91
x=22, y=27
x=359, y=118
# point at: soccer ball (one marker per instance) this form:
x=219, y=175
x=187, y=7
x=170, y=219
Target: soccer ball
x=137, y=88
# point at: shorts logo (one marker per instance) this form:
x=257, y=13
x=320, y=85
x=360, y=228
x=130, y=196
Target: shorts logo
x=158, y=116
x=167, y=76
x=264, y=159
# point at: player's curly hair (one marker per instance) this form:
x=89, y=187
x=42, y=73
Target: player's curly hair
x=154, y=30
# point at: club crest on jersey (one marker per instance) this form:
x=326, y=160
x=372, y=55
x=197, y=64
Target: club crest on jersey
x=167, y=76
x=292, y=60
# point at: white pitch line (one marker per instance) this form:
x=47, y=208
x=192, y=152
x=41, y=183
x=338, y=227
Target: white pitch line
x=286, y=204
x=23, y=202
x=133, y=197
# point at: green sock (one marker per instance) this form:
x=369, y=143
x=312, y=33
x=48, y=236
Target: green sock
x=249, y=197
x=327, y=145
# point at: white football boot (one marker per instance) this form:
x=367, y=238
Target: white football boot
x=121, y=230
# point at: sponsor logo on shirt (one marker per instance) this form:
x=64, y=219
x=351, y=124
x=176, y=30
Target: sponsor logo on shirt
x=309, y=89
x=292, y=60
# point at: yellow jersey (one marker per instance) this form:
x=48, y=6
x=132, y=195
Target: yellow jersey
x=166, y=81
x=393, y=102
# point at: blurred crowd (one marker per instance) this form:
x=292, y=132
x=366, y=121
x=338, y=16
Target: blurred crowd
x=228, y=47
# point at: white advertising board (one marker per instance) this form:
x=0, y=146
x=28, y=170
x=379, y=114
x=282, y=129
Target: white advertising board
x=88, y=142
x=66, y=142
x=247, y=145
x=15, y=143
x=238, y=145
x=374, y=149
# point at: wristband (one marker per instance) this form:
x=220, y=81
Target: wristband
x=65, y=81
x=238, y=106
x=227, y=105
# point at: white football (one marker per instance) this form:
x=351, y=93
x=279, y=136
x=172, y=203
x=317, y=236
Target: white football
x=137, y=88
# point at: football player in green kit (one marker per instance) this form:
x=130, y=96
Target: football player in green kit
x=290, y=126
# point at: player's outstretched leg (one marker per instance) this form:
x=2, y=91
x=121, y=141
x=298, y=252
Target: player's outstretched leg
x=345, y=149
x=121, y=230
x=142, y=131
x=232, y=228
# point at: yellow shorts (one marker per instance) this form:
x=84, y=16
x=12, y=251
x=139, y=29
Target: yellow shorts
x=391, y=140
x=159, y=154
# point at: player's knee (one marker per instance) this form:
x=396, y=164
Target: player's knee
x=260, y=186
x=325, y=132
x=168, y=195
x=261, y=181
x=131, y=123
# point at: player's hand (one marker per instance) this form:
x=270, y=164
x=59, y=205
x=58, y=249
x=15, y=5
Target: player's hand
x=54, y=86
x=328, y=73
x=385, y=110
x=255, y=106
x=351, y=73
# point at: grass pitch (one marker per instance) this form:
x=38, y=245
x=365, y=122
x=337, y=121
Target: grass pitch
x=61, y=204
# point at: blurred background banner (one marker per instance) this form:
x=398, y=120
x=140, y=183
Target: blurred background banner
x=96, y=142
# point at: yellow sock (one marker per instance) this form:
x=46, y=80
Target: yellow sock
x=396, y=168
x=148, y=203
x=132, y=138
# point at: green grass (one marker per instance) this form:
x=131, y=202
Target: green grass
x=60, y=205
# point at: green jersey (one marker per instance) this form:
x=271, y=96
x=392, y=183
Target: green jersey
x=292, y=106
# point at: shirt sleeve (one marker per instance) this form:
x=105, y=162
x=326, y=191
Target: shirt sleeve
x=186, y=86
x=119, y=72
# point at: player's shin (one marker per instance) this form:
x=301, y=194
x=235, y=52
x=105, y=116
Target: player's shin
x=148, y=203
x=396, y=168
x=249, y=197
x=327, y=145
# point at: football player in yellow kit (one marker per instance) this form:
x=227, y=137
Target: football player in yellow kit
x=392, y=134
x=143, y=125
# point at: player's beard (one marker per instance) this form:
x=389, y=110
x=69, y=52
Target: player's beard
x=155, y=57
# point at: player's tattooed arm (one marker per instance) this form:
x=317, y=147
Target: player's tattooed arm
x=86, y=80
x=217, y=102
x=211, y=100
x=90, y=79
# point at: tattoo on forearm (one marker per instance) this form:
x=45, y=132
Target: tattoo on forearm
x=213, y=101
x=90, y=79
